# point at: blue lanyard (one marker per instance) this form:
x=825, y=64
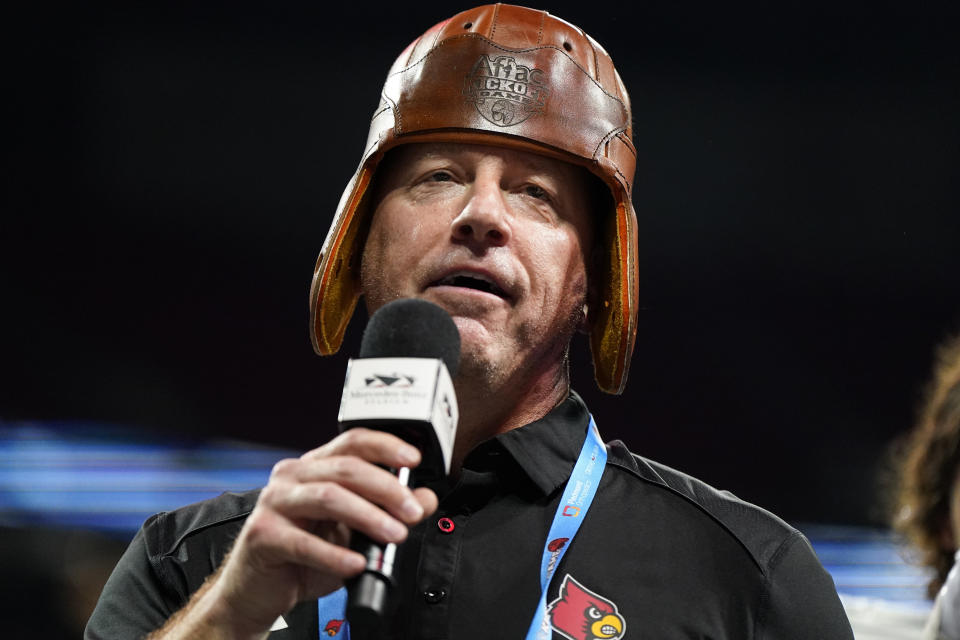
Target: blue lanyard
x=332, y=610
x=576, y=500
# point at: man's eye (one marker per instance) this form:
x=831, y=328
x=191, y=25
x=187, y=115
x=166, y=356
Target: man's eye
x=536, y=192
x=440, y=176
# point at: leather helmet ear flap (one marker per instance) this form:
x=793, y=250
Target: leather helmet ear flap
x=335, y=289
x=613, y=327
x=512, y=77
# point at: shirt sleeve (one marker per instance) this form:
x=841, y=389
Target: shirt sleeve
x=802, y=601
x=135, y=601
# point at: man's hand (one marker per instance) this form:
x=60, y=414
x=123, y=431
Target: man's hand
x=293, y=546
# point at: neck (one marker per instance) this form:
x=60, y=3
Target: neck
x=487, y=410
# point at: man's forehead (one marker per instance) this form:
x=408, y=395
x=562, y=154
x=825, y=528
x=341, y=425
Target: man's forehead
x=465, y=151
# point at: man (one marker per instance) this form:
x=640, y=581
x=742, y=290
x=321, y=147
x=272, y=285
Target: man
x=496, y=183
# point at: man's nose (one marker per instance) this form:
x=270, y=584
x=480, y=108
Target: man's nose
x=484, y=219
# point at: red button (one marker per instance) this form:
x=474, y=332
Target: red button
x=446, y=525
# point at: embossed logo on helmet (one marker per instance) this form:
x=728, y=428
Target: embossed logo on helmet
x=505, y=92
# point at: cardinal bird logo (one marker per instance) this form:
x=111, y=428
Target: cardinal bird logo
x=556, y=544
x=333, y=627
x=581, y=614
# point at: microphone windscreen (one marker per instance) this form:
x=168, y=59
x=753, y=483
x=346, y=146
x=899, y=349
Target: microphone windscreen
x=412, y=328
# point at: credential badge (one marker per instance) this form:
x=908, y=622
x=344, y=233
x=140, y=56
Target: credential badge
x=504, y=92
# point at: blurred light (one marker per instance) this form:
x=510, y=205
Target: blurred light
x=870, y=563
x=80, y=475
x=83, y=476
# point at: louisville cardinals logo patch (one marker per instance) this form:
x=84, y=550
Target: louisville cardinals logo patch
x=333, y=627
x=581, y=614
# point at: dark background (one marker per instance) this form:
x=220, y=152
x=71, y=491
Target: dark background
x=173, y=170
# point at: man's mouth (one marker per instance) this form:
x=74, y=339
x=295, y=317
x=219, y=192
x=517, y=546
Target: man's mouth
x=476, y=281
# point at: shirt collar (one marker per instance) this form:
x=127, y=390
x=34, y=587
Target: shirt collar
x=546, y=449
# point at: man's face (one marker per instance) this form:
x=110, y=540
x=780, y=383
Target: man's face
x=497, y=238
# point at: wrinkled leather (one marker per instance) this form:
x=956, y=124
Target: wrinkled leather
x=551, y=90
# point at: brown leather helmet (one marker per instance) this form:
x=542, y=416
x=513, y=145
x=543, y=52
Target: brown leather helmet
x=512, y=77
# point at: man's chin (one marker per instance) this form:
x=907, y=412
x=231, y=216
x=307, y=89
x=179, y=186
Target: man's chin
x=478, y=350
x=475, y=336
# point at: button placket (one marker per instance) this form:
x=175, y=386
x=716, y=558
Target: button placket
x=436, y=575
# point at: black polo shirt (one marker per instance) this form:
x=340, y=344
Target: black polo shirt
x=665, y=555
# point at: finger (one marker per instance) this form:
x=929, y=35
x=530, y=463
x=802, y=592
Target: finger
x=329, y=501
x=367, y=480
x=378, y=447
x=428, y=500
x=278, y=541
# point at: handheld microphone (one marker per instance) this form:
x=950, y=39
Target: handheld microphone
x=402, y=384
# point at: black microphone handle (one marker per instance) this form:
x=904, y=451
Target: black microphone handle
x=368, y=594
